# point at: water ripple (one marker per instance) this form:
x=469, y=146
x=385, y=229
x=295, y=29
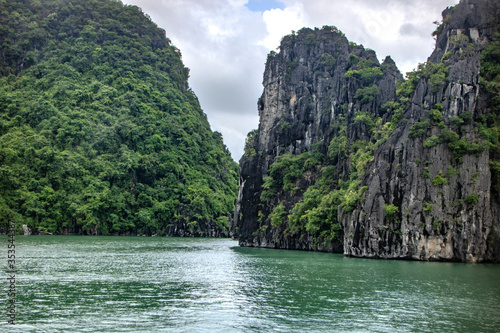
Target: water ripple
x=140, y=284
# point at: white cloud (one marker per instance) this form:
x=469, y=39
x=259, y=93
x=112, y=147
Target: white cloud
x=237, y=3
x=225, y=44
x=281, y=22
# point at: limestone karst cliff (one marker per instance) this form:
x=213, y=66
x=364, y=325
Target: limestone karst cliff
x=349, y=157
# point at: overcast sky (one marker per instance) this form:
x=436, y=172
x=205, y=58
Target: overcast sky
x=225, y=43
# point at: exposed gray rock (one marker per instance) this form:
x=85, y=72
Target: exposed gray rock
x=458, y=219
x=26, y=230
x=447, y=206
x=305, y=91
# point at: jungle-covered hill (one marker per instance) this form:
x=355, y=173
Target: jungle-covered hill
x=99, y=131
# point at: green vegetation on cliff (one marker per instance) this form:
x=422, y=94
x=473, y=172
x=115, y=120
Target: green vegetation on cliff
x=489, y=124
x=99, y=132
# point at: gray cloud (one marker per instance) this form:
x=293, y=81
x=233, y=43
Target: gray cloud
x=408, y=29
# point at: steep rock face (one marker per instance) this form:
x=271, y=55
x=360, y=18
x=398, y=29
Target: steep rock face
x=307, y=91
x=348, y=159
x=437, y=183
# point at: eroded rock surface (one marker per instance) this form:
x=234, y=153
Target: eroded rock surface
x=415, y=177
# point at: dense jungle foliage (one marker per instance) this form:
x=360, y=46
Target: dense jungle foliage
x=99, y=132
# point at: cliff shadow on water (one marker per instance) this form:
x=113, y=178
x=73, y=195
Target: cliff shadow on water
x=351, y=157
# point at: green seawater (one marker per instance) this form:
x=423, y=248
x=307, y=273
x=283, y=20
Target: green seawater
x=144, y=284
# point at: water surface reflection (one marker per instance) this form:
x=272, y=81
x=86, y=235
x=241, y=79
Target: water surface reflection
x=140, y=284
